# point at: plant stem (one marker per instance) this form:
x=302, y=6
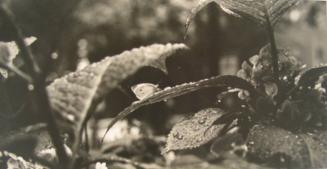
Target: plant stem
x=40, y=86
x=26, y=52
x=273, y=46
x=18, y=72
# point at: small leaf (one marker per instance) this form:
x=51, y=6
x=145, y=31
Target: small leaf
x=144, y=90
x=271, y=89
x=257, y=9
x=194, y=132
x=300, y=151
x=72, y=95
x=309, y=77
x=9, y=51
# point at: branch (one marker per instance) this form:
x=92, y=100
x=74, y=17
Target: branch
x=18, y=72
x=40, y=85
x=273, y=46
x=19, y=39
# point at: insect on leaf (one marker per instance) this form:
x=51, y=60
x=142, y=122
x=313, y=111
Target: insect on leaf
x=255, y=9
x=196, y=131
x=144, y=90
x=172, y=92
x=72, y=95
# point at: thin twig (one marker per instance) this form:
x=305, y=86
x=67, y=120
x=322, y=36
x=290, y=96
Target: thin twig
x=19, y=39
x=40, y=86
x=17, y=71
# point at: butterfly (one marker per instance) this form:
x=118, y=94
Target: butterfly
x=144, y=90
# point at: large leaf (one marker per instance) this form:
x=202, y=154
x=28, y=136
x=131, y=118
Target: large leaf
x=172, y=92
x=260, y=10
x=303, y=150
x=196, y=131
x=72, y=95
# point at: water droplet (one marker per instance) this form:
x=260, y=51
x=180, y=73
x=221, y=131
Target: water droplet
x=200, y=139
x=300, y=88
x=178, y=136
x=219, y=101
x=319, y=124
x=54, y=56
x=251, y=143
x=30, y=87
x=202, y=120
x=167, y=88
x=282, y=159
x=243, y=106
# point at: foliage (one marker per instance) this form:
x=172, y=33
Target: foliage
x=279, y=119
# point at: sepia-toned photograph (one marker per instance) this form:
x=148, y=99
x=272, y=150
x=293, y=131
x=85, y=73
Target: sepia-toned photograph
x=163, y=84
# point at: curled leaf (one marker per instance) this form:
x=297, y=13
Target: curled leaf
x=196, y=131
x=72, y=95
x=172, y=92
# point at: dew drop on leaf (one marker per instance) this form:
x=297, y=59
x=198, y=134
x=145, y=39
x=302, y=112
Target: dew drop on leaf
x=196, y=131
x=178, y=136
x=30, y=87
x=202, y=120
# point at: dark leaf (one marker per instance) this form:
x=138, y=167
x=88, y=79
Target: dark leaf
x=303, y=150
x=72, y=95
x=309, y=77
x=196, y=131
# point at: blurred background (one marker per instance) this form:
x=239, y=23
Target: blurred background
x=73, y=33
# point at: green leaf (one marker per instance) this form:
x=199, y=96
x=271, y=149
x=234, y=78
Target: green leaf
x=258, y=10
x=172, y=92
x=302, y=150
x=196, y=131
x=72, y=95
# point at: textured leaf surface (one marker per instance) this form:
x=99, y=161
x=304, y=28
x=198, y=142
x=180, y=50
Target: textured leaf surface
x=172, y=92
x=305, y=150
x=253, y=8
x=72, y=95
x=196, y=131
